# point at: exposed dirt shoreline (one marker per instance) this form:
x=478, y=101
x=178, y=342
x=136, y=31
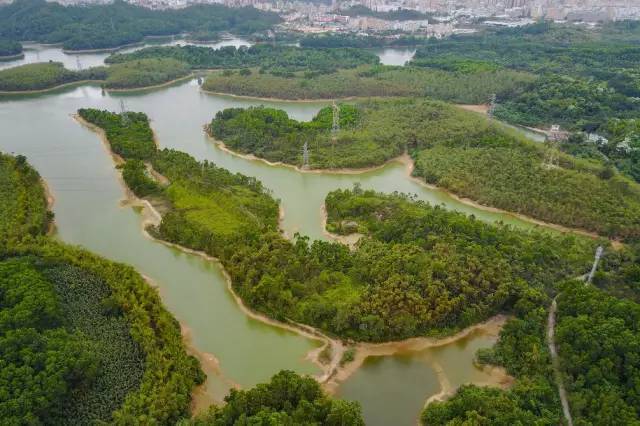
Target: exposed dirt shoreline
x=345, y=171
x=409, y=163
x=348, y=240
x=332, y=372
x=267, y=99
x=415, y=344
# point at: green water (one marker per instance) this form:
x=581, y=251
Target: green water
x=85, y=184
x=394, y=387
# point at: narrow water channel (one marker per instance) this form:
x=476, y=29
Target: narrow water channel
x=84, y=182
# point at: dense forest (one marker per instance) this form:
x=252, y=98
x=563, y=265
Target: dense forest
x=128, y=75
x=273, y=59
x=587, y=76
x=82, y=340
x=355, y=294
x=454, y=149
x=9, y=48
x=597, y=339
x=287, y=399
x=369, y=81
x=24, y=207
x=270, y=134
x=45, y=75
x=619, y=273
x=119, y=23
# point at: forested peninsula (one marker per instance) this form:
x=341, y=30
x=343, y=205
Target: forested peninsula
x=275, y=60
x=129, y=75
x=418, y=269
x=159, y=65
x=583, y=79
x=91, y=341
x=349, y=294
x=88, y=339
x=10, y=50
x=596, y=334
x=88, y=27
x=453, y=149
x=370, y=81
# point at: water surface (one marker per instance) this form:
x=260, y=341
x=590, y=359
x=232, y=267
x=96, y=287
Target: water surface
x=85, y=184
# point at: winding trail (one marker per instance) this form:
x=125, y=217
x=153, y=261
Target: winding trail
x=551, y=324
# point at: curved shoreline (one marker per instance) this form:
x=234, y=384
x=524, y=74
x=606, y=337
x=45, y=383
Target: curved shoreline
x=469, y=202
x=9, y=58
x=333, y=372
x=345, y=171
x=155, y=86
x=49, y=89
x=409, y=163
x=349, y=240
x=94, y=83
x=363, y=350
x=303, y=100
x=51, y=230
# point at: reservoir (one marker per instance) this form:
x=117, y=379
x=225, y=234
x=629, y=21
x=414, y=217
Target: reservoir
x=89, y=212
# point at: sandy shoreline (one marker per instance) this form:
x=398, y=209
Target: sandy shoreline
x=414, y=344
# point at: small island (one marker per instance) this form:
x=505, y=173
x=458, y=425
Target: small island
x=42, y=77
x=87, y=339
x=106, y=27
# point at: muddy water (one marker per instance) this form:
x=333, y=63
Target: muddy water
x=88, y=212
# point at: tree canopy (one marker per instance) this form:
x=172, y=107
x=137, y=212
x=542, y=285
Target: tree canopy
x=119, y=23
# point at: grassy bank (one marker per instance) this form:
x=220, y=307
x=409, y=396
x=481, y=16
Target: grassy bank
x=131, y=75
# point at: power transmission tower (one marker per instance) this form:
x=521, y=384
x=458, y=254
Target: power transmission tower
x=124, y=115
x=599, y=252
x=78, y=64
x=305, y=156
x=492, y=105
x=335, y=128
x=552, y=142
